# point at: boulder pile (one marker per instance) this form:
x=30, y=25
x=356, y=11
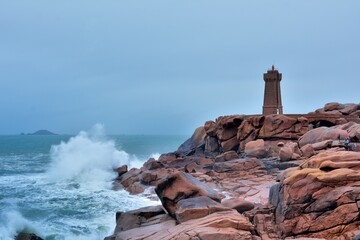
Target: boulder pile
x=340, y=109
x=190, y=210
x=252, y=177
x=321, y=197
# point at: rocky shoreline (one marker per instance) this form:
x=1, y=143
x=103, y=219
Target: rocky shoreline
x=253, y=177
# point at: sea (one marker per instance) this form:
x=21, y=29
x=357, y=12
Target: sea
x=61, y=186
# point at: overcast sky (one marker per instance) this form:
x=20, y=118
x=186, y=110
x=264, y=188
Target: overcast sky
x=165, y=66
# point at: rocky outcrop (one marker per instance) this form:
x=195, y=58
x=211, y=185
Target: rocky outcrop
x=320, y=198
x=317, y=195
x=206, y=169
x=289, y=151
x=27, y=236
x=271, y=127
x=197, y=207
x=121, y=170
x=340, y=109
x=322, y=134
x=322, y=138
x=225, y=224
x=193, y=209
x=216, y=137
x=257, y=149
x=353, y=130
x=333, y=159
x=193, y=212
x=232, y=133
x=195, y=144
x=181, y=186
x=136, y=218
x=281, y=126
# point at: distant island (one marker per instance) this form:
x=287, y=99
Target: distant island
x=41, y=132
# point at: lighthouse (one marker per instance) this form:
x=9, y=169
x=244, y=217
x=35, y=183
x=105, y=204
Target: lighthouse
x=272, y=93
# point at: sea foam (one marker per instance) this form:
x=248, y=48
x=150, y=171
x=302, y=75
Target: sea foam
x=72, y=198
x=11, y=223
x=87, y=157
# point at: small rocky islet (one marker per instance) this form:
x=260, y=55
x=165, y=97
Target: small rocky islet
x=253, y=177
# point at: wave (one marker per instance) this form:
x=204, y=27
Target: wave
x=89, y=156
x=12, y=222
x=73, y=198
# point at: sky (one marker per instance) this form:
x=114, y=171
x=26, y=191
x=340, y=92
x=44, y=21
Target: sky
x=166, y=66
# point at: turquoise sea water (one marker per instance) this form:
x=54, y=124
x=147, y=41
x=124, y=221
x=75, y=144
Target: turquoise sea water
x=60, y=186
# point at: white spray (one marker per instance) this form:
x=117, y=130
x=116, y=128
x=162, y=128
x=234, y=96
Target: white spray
x=87, y=157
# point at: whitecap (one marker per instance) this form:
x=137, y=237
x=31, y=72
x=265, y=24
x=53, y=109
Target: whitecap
x=12, y=222
x=87, y=157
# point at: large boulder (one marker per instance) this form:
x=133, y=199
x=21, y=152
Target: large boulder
x=227, y=126
x=349, y=108
x=210, y=128
x=321, y=134
x=339, y=108
x=180, y=186
x=281, y=126
x=197, y=140
x=129, y=177
x=136, y=181
x=121, y=170
x=153, y=164
x=249, y=130
x=221, y=135
x=198, y=207
x=289, y=151
x=307, y=150
x=27, y=236
x=320, y=198
x=271, y=127
x=219, y=225
x=230, y=144
x=135, y=218
x=334, y=159
x=333, y=106
x=256, y=149
x=286, y=153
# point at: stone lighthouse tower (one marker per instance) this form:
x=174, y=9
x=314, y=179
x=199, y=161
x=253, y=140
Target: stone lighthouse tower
x=272, y=94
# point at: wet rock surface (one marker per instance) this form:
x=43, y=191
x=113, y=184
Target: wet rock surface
x=27, y=236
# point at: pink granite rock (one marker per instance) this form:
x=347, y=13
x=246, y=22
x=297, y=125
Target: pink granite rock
x=219, y=225
x=121, y=170
x=181, y=186
x=227, y=156
x=197, y=207
x=239, y=204
x=256, y=149
x=321, y=134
